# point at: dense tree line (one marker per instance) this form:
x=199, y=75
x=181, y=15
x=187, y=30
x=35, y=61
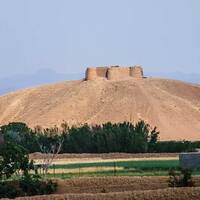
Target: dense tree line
x=121, y=137
x=105, y=138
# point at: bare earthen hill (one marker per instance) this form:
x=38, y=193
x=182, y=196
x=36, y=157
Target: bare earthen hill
x=110, y=94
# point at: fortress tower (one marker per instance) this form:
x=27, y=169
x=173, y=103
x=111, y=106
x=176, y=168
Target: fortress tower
x=114, y=72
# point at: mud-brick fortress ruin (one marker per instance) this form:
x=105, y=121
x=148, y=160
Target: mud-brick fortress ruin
x=114, y=73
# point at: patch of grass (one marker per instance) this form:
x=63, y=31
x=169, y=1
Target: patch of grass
x=137, y=165
x=129, y=168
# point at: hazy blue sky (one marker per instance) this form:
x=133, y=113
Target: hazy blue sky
x=69, y=35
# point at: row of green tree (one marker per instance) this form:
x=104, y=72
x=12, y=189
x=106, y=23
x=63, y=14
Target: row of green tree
x=108, y=137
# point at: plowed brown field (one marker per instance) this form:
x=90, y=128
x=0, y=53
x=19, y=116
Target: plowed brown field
x=136, y=188
x=164, y=194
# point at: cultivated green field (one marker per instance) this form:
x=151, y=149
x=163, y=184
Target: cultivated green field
x=119, y=168
x=142, y=165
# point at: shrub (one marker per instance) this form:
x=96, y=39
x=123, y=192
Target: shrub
x=9, y=190
x=33, y=185
x=29, y=185
x=182, y=178
x=103, y=190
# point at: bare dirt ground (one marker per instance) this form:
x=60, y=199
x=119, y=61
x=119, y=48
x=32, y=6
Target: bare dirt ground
x=137, y=188
x=172, y=106
x=164, y=194
x=107, y=156
x=111, y=184
x=114, y=184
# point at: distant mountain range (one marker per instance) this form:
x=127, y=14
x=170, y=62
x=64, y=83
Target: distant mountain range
x=188, y=77
x=46, y=76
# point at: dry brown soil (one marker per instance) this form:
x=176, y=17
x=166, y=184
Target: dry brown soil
x=136, y=188
x=106, y=156
x=164, y=194
x=172, y=106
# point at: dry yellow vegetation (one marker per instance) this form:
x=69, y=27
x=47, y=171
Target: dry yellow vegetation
x=84, y=170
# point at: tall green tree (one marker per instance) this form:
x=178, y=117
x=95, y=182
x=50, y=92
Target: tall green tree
x=20, y=133
x=13, y=158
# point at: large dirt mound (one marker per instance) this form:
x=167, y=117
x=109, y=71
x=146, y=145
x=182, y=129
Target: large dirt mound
x=172, y=106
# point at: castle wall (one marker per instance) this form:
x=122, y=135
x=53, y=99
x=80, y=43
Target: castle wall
x=102, y=71
x=136, y=72
x=114, y=73
x=94, y=73
x=90, y=74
